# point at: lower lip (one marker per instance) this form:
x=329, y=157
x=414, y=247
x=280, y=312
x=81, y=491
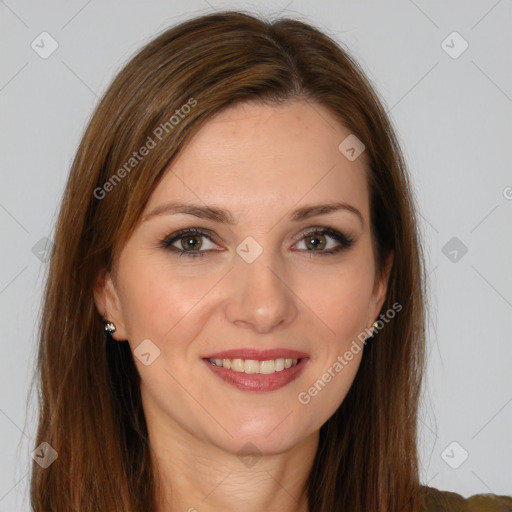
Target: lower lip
x=258, y=381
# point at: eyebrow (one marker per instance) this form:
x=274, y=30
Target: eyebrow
x=225, y=217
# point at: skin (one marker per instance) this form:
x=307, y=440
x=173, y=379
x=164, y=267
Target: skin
x=260, y=163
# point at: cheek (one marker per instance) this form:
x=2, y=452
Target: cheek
x=342, y=298
x=154, y=299
x=344, y=308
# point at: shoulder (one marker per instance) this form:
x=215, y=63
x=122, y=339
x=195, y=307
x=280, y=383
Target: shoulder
x=445, y=501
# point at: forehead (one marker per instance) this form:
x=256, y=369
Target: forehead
x=266, y=158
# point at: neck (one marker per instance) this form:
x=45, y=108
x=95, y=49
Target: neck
x=196, y=476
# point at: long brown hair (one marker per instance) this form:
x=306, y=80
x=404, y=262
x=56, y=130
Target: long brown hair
x=90, y=407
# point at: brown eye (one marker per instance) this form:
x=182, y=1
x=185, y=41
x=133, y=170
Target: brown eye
x=192, y=242
x=315, y=242
x=189, y=242
x=322, y=241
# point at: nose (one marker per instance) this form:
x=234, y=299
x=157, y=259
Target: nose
x=261, y=295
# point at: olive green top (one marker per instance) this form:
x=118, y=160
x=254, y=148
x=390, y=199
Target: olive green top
x=446, y=501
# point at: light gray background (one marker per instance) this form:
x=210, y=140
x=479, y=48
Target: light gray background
x=453, y=118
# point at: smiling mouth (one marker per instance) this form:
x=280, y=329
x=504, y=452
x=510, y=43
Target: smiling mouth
x=257, y=375
x=253, y=366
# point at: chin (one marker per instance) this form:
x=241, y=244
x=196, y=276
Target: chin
x=268, y=435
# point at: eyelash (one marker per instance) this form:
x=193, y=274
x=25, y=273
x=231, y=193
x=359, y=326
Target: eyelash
x=344, y=240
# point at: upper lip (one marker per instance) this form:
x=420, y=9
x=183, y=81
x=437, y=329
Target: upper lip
x=257, y=354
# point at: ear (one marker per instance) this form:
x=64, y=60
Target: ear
x=108, y=304
x=381, y=287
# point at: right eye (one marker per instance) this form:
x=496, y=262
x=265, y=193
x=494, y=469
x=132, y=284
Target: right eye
x=188, y=241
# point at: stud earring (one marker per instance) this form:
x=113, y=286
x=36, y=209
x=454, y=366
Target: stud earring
x=372, y=329
x=110, y=327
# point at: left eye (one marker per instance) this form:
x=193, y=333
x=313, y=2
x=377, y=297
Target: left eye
x=317, y=241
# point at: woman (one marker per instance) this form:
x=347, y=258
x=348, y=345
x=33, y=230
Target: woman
x=239, y=222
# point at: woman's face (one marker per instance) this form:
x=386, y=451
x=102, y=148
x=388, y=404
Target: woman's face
x=270, y=286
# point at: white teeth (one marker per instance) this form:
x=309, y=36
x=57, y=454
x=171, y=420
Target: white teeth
x=267, y=366
x=237, y=365
x=279, y=365
x=252, y=366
